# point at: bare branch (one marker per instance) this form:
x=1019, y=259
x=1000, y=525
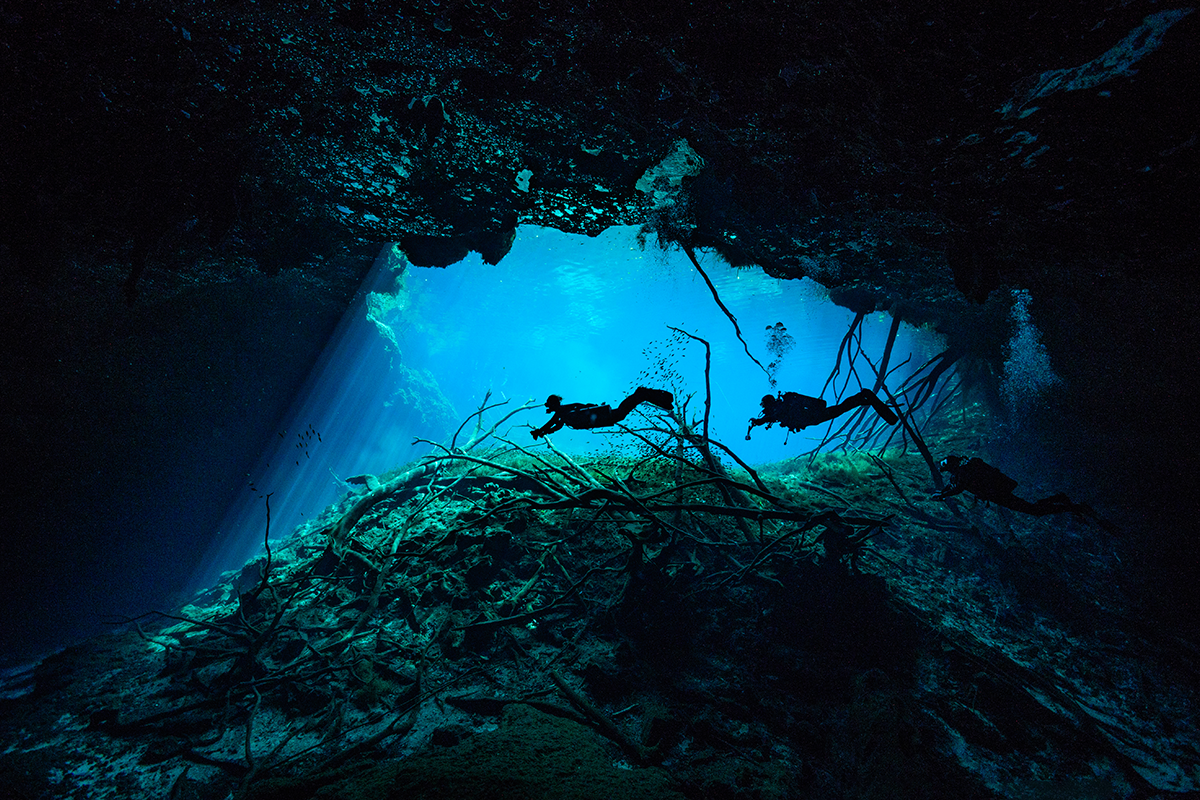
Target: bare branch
x=692, y=255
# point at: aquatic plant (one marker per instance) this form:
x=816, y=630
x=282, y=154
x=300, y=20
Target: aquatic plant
x=842, y=469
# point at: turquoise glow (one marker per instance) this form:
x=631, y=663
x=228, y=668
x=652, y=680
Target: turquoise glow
x=586, y=318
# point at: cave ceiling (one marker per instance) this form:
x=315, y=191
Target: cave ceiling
x=914, y=159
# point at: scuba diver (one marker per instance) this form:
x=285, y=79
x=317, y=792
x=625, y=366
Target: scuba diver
x=796, y=411
x=587, y=415
x=990, y=484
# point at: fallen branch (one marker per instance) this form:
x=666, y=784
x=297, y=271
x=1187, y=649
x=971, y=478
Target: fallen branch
x=603, y=723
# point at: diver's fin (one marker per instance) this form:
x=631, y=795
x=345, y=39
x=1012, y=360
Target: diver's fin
x=658, y=397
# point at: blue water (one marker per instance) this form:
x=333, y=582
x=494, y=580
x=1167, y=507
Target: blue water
x=586, y=318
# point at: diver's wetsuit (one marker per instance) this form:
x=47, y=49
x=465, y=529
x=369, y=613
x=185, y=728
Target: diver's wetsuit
x=796, y=411
x=582, y=416
x=988, y=483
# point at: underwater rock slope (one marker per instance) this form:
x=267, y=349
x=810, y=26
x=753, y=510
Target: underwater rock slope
x=506, y=621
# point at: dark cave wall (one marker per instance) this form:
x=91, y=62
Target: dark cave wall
x=858, y=140
x=1122, y=428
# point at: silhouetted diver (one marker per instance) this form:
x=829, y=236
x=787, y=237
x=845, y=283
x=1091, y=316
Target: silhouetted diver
x=988, y=483
x=796, y=411
x=586, y=415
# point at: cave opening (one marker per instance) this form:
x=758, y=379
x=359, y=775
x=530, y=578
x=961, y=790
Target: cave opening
x=587, y=318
